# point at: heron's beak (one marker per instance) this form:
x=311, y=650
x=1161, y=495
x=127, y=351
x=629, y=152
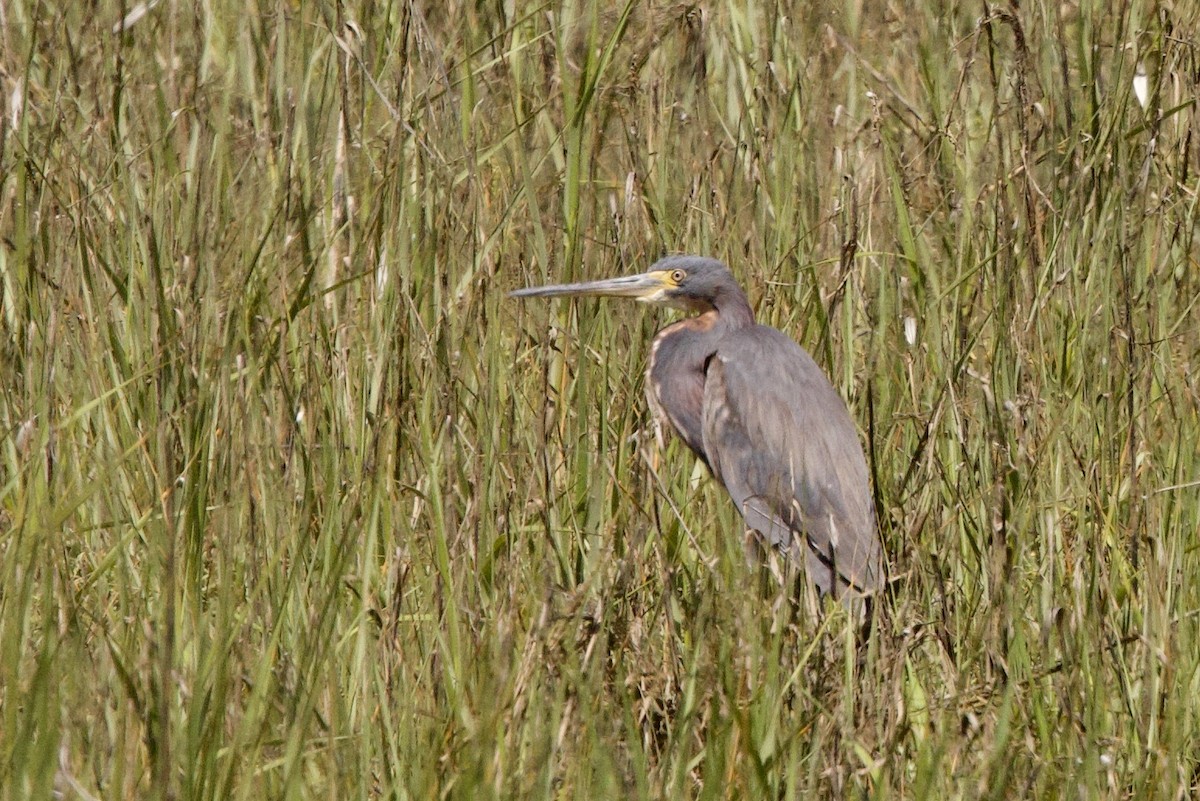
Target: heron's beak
x=646, y=287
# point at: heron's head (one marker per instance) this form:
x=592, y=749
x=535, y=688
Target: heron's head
x=690, y=283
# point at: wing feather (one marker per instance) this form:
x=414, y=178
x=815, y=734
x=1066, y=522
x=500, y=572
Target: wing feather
x=780, y=439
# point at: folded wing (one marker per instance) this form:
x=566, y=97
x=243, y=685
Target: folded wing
x=780, y=439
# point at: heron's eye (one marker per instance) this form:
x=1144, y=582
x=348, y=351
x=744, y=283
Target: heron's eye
x=677, y=276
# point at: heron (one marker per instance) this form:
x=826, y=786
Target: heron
x=758, y=411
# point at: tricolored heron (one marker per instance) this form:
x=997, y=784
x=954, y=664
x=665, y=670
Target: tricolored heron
x=758, y=410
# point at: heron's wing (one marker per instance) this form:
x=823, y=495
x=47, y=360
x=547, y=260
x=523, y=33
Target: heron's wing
x=779, y=438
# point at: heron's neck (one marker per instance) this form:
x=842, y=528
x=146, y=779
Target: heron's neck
x=734, y=310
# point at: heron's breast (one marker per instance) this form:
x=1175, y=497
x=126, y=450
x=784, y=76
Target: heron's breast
x=675, y=377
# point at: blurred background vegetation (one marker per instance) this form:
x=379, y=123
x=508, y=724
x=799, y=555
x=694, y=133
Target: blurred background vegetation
x=294, y=503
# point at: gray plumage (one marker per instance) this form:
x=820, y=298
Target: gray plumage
x=762, y=415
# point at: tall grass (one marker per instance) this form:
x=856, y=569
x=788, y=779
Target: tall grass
x=295, y=503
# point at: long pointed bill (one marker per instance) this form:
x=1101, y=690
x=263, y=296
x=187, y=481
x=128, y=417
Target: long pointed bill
x=646, y=287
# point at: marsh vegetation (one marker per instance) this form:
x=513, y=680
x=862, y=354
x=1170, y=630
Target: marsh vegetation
x=295, y=503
